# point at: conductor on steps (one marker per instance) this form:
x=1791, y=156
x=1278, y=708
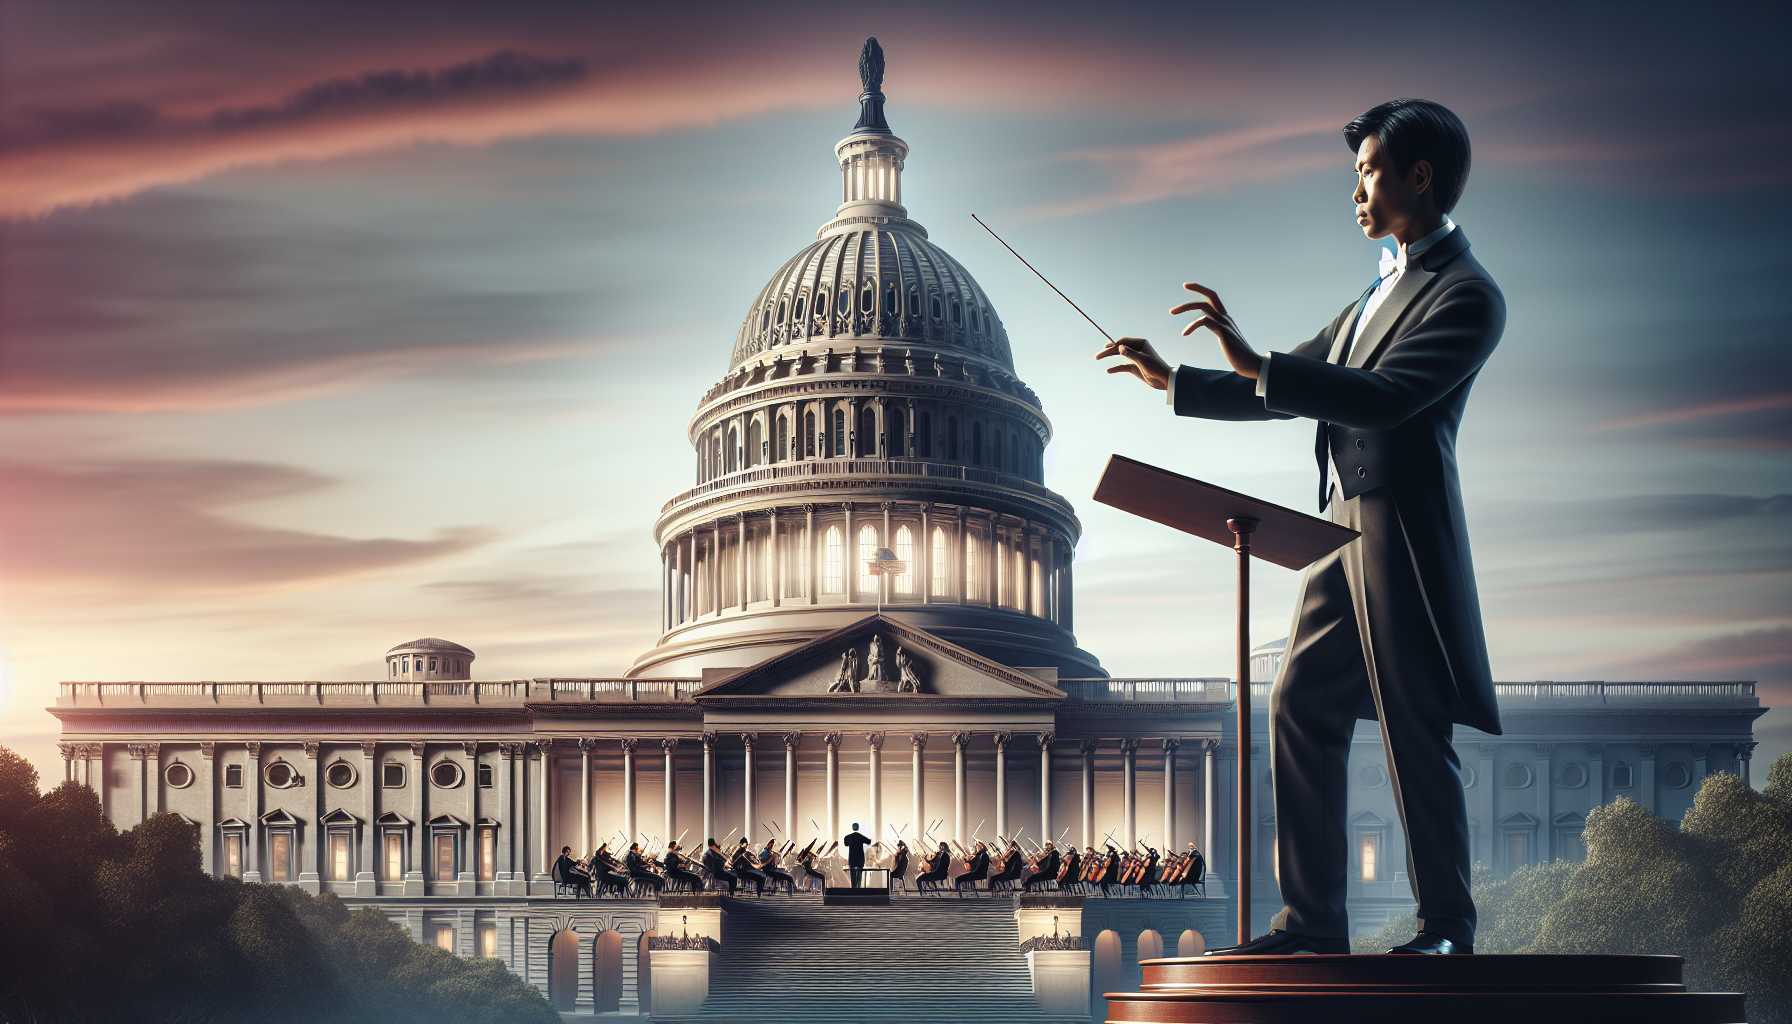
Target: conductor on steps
x=855, y=843
x=1388, y=627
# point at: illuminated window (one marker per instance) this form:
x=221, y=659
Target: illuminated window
x=488, y=853
x=444, y=937
x=839, y=431
x=939, y=562
x=280, y=856
x=905, y=550
x=339, y=857
x=488, y=939
x=444, y=856
x=867, y=551
x=973, y=578
x=394, y=856
x=233, y=854
x=1368, y=855
x=832, y=561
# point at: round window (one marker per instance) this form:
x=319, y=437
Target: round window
x=1574, y=776
x=1518, y=776
x=1372, y=775
x=1677, y=776
x=446, y=774
x=178, y=775
x=280, y=775
x=341, y=775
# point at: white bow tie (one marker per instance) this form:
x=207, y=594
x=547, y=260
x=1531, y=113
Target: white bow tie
x=1389, y=263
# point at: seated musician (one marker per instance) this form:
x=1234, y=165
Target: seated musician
x=977, y=871
x=1010, y=871
x=1110, y=872
x=717, y=866
x=1047, y=868
x=1148, y=874
x=936, y=868
x=745, y=869
x=639, y=870
x=812, y=878
x=899, y=864
x=568, y=872
x=768, y=863
x=674, y=865
x=1197, y=871
x=607, y=871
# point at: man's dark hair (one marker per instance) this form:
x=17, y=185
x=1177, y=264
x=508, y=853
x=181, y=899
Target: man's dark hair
x=1412, y=130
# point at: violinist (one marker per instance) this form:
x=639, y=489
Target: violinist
x=746, y=869
x=674, y=866
x=1011, y=866
x=768, y=863
x=934, y=869
x=607, y=871
x=640, y=870
x=1045, y=868
x=976, y=869
x=806, y=858
x=717, y=865
x=899, y=864
x=570, y=872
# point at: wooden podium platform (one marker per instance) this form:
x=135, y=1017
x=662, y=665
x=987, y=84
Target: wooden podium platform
x=1384, y=988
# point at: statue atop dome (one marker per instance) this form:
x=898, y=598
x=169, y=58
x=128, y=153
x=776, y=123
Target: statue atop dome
x=871, y=101
x=871, y=65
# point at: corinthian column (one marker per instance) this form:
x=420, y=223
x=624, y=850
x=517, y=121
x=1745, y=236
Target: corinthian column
x=832, y=739
x=1170, y=745
x=1129, y=755
x=628, y=788
x=747, y=802
x=791, y=741
x=918, y=784
x=585, y=745
x=959, y=739
x=709, y=785
x=1045, y=786
x=669, y=746
x=1002, y=739
x=874, y=784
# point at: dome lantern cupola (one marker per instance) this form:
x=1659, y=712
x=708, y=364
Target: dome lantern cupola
x=870, y=158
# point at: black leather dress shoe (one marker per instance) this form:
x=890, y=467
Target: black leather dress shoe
x=1431, y=942
x=1279, y=942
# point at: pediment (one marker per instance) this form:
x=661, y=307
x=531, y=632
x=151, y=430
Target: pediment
x=278, y=816
x=910, y=662
x=338, y=816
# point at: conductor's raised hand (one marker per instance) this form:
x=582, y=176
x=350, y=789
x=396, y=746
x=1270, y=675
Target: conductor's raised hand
x=1142, y=362
x=1245, y=360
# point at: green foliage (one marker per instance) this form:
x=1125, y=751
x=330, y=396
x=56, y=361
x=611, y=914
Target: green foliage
x=101, y=926
x=1508, y=910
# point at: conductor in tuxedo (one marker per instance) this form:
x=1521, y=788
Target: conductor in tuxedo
x=855, y=843
x=1388, y=627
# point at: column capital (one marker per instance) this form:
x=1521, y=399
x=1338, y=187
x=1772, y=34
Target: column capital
x=69, y=750
x=832, y=739
x=669, y=744
x=1129, y=744
x=1171, y=744
x=1746, y=749
x=961, y=739
x=1596, y=751
x=629, y=743
x=875, y=739
x=1045, y=740
x=367, y=747
x=918, y=740
x=313, y=748
x=138, y=751
x=1001, y=739
x=808, y=508
x=470, y=747
x=208, y=749
x=254, y=749
x=1087, y=747
x=709, y=742
x=509, y=751
x=587, y=744
x=792, y=740
x=417, y=749
x=543, y=747
x=1210, y=746
x=747, y=739
x=1544, y=750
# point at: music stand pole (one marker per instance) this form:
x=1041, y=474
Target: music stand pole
x=1241, y=527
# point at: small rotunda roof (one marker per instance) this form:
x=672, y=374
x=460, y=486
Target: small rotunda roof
x=430, y=643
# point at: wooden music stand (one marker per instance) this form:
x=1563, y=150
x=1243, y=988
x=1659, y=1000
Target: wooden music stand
x=1290, y=539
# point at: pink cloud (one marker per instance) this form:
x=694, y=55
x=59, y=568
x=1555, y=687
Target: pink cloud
x=1706, y=410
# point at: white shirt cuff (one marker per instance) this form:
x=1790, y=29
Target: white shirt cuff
x=1170, y=388
x=1263, y=374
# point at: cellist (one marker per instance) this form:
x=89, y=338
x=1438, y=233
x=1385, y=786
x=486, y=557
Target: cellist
x=1045, y=868
x=935, y=868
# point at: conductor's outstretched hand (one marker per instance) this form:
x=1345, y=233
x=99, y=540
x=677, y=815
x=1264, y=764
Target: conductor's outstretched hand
x=1144, y=363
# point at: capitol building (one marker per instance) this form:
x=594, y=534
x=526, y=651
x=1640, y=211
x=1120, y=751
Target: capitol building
x=870, y=414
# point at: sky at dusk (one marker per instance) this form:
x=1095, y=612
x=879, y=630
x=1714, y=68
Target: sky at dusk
x=323, y=328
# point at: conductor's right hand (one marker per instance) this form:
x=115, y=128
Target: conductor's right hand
x=1142, y=361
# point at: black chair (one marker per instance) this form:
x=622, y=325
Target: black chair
x=564, y=885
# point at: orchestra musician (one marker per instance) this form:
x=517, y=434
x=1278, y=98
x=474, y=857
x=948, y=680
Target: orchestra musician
x=640, y=869
x=1070, y=873
x=717, y=866
x=1110, y=870
x=934, y=868
x=607, y=871
x=899, y=864
x=1011, y=866
x=976, y=869
x=570, y=873
x=768, y=863
x=1045, y=868
x=1197, y=869
x=675, y=871
x=746, y=869
x=806, y=858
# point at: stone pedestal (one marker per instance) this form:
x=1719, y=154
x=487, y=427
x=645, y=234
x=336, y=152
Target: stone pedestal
x=1035, y=914
x=680, y=979
x=694, y=914
x=364, y=884
x=1060, y=979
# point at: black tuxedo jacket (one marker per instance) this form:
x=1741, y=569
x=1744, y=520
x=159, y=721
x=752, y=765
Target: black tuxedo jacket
x=1388, y=416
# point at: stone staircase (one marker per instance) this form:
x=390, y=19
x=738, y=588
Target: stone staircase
x=918, y=961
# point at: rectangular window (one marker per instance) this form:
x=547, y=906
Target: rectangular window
x=279, y=856
x=486, y=776
x=432, y=664
x=444, y=857
x=394, y=856
x=233, y=854
x=488, y=939
x=339, y=857
x=488, y=853
x=392, y=775
x=233, y=776
x=1518, y=849
x=444, y=937
x=1368, y=855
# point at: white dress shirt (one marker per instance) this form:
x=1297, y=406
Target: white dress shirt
x=1393, y=265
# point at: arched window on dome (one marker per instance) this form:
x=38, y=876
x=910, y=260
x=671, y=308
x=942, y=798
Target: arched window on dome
x=973, y=568
x=867, y=551
x=733, y=449
x=914, y=301
x=957, y=313
x=890, y=299
x=822, y=298
x=833, y=560
x=844, y=307
x=781, y=445
x=939, y=562
x=765, y=317
x=809, y=435
x=895, y=428
x=839, y=431
x=867, y=435
x=755, y=442
x=867, y=297
x=977, y=443
x=974, y=322
x=781, y=311
x=802, y=304
x=905, y=550
x=935, y=308
x=715, y=453
x=923, y=434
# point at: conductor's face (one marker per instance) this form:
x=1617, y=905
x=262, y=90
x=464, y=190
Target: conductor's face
x=1386, y=202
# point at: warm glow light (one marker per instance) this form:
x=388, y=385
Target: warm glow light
x=1370, y=849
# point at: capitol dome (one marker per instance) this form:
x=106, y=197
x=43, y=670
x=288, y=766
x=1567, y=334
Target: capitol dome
x=870, y=401
x=429, y=658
